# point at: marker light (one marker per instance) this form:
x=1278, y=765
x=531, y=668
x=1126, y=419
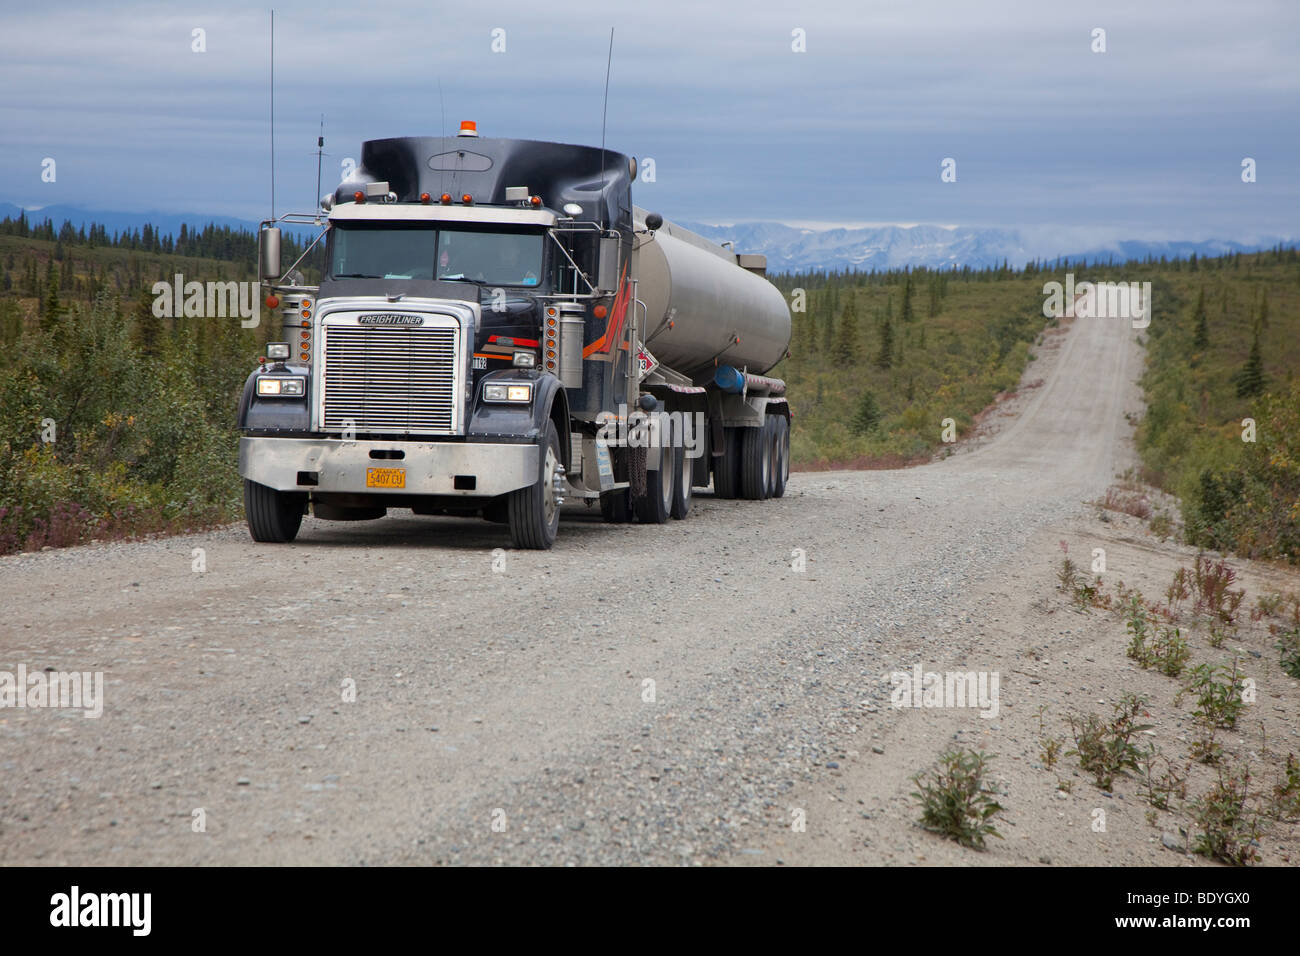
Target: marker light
x=359, y=196
x=536, y=201
x=425, y=197
x=445, y=199
x=467, y=199
x=272, y=301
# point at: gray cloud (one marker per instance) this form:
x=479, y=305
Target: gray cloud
x=1146, y=139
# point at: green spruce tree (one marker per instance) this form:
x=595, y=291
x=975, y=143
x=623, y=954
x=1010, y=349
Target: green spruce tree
x=885, y=357
x=846, y=341
x=867, y=417
x=1250, y=380
x=1201, y=337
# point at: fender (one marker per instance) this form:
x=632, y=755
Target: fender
x=275, y=414
x=500, y=422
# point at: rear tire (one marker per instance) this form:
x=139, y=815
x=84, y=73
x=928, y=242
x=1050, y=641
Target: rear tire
x=782, y=474
x=273, y=517
x=726, y=467
x=683, y=495
x=755, y=462
x=616, y=506
x=534, y=512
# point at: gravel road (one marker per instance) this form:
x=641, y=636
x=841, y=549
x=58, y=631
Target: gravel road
x=636, y=695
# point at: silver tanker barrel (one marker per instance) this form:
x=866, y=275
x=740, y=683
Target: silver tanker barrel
x=702, y=306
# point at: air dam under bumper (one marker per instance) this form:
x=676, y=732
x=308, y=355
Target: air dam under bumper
x=431, y=467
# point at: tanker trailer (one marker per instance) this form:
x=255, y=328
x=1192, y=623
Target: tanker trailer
x=498, y=331
x=714, y=319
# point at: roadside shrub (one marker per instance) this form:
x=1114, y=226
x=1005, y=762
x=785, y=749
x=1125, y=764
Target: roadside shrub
x=955, y=800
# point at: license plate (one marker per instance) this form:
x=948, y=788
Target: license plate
x=385, y=477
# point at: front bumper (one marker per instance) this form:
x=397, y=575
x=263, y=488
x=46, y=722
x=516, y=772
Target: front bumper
x=432, y=468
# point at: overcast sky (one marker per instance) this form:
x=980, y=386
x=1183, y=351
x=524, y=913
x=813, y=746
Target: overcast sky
x=1144, y=140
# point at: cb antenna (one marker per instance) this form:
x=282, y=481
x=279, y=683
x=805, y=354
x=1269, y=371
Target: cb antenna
x=604, y=110
x=442, y=173
x=320, y=146
x=273, y=116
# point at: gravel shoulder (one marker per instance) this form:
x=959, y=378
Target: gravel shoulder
x=638, y=695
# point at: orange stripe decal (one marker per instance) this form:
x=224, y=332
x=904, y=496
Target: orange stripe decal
x=616, y=315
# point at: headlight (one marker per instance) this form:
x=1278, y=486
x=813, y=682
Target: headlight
x=508, y=393
x=279, y=386
x=277, y=351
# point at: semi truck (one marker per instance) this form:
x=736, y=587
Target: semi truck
x=497, y=331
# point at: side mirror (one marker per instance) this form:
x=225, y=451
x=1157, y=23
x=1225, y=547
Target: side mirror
x=269, y=253
x=653, y=221
x=607, y=270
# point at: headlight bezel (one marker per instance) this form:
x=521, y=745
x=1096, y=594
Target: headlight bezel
x=508, y=393
x=280, y=386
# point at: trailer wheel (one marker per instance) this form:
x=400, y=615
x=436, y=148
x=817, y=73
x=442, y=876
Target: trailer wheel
x=756, y=462
x=534, y=512
x=660, y=487
x=781, y=475
x=272, y=516
x=682, y=493
x=726, y=467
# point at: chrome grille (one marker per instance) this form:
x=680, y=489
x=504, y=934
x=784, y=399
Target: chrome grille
x=389, y=379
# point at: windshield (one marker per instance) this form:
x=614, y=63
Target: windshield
x=423, y=251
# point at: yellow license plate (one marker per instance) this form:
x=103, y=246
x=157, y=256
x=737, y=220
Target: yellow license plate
x=385, y=477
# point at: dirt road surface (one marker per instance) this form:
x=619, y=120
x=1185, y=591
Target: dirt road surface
x=640, y=694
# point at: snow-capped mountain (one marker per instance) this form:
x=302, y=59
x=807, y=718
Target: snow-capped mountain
x=793, y=249
x=797, y=249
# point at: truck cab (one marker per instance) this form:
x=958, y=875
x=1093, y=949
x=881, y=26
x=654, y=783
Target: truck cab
x=438, y=364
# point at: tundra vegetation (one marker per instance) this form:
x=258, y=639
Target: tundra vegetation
x=879, y=359
x=142, y=407
x=1193, y=634
x=114, y=421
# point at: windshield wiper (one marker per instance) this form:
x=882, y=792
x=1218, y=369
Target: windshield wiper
x=462, y=278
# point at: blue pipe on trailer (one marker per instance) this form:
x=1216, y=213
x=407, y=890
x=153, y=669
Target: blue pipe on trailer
x=729, y=379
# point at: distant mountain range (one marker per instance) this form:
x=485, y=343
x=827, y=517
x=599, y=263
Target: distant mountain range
x=794, y=249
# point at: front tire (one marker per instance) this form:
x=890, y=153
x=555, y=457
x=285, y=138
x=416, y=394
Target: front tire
x=273, y=517
x=534, y=512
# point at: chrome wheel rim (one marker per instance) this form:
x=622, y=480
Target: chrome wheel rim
x=551, y=495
